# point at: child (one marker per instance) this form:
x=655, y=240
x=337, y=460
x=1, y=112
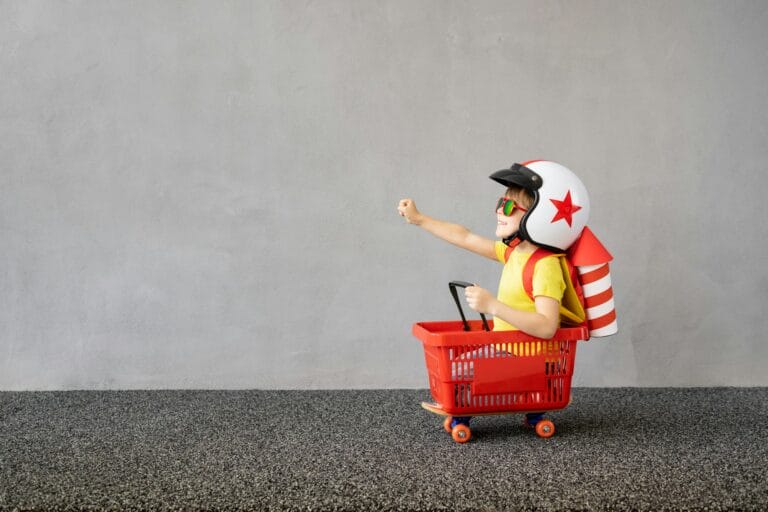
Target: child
x=513, y=308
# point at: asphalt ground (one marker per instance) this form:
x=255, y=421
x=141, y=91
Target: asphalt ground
x=614, y=449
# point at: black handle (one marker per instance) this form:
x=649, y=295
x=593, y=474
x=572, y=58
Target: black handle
x=463, y=284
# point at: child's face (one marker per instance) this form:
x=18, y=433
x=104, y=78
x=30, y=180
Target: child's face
x=506, y=225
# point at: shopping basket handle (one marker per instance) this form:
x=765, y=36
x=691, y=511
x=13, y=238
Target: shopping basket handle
x=463, y=284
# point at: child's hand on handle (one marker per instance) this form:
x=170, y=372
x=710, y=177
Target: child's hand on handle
x=480, y=299
x=407, y=208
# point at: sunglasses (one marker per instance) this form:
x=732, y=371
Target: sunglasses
x=508, y=206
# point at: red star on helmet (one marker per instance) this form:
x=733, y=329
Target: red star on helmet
x=565, y=209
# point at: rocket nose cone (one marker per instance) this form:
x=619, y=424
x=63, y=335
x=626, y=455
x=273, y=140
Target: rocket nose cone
x=588, y=250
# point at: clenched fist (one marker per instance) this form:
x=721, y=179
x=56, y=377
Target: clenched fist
x=407, y=208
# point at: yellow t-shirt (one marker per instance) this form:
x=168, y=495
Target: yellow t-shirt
x=547, y=280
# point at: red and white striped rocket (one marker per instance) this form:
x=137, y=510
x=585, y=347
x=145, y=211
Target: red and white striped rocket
x=591, y=259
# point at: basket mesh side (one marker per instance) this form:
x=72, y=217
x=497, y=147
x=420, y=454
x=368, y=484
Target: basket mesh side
x=453, y=382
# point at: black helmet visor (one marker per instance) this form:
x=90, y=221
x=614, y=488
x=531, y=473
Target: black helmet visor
x=518, y=175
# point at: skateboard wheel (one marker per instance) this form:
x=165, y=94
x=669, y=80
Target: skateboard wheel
x=545, y=429
x=447, y=424
x=461, y=433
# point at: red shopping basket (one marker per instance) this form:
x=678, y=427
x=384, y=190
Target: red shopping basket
x=473, y=371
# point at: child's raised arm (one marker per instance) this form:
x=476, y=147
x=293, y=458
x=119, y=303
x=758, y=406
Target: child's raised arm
x=450, y=232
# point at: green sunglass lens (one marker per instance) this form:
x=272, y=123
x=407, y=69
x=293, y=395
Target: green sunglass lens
x=509, y=207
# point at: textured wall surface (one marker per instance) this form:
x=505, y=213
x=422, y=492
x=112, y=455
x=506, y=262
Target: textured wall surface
x=203, y=194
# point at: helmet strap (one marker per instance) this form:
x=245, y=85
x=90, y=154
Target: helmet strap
x=513, y=240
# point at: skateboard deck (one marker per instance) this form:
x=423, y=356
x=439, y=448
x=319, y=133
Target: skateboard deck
x=436, y=409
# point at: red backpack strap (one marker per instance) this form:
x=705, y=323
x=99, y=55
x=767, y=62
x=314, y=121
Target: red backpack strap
x=530, y=266
x=507, y=253
x=511, y=247
x=576, y=282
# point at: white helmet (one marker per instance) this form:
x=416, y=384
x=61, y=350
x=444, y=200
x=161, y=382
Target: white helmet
x=560, y=203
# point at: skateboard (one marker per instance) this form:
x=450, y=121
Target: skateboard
x=458, y=426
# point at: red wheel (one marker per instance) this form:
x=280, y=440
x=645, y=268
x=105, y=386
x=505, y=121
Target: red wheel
x=447, y=424
x=461, y=433
x=545, y=428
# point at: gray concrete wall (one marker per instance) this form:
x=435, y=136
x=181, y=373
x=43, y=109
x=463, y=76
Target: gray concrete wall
x=202, y=194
